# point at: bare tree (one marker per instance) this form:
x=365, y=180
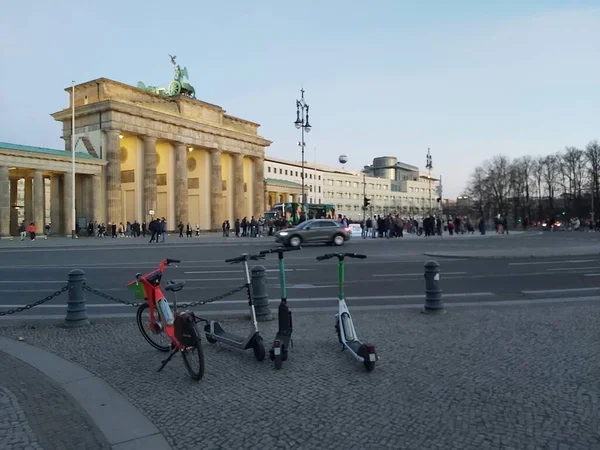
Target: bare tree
x=592, y=155
x=499, y=181
x=551, y=174
x=537, y=170
x=478, y=190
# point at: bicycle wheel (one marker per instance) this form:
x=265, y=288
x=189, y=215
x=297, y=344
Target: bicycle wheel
x=156, y=338
x=193, y=358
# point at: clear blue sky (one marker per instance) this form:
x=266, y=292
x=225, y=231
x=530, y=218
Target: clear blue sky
x=465, y=78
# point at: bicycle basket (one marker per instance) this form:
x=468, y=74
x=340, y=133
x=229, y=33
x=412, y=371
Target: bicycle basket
x=138, y=290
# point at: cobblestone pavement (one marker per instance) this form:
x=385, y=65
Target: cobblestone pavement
x=36, y=414
x=508, y=377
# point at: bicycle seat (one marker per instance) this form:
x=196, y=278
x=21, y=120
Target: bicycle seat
x=174, y=286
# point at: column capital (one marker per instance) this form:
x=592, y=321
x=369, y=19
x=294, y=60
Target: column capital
x=149, y=139
x=112, y=132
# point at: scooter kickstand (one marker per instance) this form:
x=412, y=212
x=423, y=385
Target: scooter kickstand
x=164, y=363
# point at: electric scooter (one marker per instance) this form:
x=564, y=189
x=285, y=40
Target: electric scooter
x=215, y=332
x=363, y=352
x=279, y=352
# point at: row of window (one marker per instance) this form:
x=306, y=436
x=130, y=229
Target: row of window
x=291, y=173
x=341, y=207
x=346, y=195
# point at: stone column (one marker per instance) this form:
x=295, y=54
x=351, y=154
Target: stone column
x=38, y=201
x=267, y=199
x=4, y=202
x=28, y=200
x=14, y=212
x=259, y=187
x=113, y=177
x=216, y=191
x=96, y=198
x=55, y=206
x=67, y=204
x=68, y=144
x=181, y=190
x=238, y=187
x=149, y=175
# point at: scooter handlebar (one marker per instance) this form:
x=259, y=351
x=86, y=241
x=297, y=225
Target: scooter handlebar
x=244, y=257
x=279, y=250
x=173, y=261
x=341, y=256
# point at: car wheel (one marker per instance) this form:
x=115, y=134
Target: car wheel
x=338, y=240
x=295, y=241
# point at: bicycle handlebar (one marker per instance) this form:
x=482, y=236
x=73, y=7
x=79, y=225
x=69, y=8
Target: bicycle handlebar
x=244, y=257
x=279, y=250
x=341, y=256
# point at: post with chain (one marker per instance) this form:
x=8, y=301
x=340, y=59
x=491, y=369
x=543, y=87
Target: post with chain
x=76, y=307
x=433, y=292
x=260, y=296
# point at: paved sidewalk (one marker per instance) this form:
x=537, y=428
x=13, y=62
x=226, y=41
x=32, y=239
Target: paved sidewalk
x=48, y=403
x=488, y=377
x=36, y=414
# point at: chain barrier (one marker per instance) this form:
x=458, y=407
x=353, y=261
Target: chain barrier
x=214, y=299
x=110, y=297
x=183, y=305
x=33, y=305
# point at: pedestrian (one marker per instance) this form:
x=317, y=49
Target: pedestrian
x=22, y=231
x=32, y=231
x=180, y=227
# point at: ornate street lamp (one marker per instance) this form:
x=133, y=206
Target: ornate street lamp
x=429, y=166
x=303, y=124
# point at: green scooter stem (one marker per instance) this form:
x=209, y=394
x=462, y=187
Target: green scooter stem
x=341, y=279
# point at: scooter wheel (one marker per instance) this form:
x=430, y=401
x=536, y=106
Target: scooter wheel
x=278, y=362
x=369, y=365
x=259, y=349
x=210, y=339
x=271, y=355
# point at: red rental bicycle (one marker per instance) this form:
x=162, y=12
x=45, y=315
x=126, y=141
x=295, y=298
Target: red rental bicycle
x=167, y=330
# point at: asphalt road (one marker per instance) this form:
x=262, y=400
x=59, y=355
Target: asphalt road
x=391, y=277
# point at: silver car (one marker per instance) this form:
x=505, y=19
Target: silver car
x=320, y=231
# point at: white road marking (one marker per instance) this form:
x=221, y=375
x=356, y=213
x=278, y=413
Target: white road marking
x=237, y=271
x=420, y=274
x=578, y=269
x=539, y=263
x=592, y=275
x=560, y=291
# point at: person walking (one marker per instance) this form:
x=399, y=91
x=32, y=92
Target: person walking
x=22, y=231
x=32, y=231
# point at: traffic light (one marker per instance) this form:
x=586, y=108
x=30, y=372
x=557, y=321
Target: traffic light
x=366, y=202
x=564, y=213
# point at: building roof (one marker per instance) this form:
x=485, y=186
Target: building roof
x=43, y=150
x=282, y=182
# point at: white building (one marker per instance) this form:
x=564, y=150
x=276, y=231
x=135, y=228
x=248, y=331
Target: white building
x=391, y=187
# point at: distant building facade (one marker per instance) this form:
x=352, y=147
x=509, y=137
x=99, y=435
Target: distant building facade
x=391, y=187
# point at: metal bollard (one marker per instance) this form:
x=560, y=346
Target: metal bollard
x=433, y=293
x=76, y=307
x=260, y=294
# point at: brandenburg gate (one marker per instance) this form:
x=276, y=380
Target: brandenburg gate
x=161, y=152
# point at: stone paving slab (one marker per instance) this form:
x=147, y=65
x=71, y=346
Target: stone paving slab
x=37, y=414
x=114, y=419
x=520, y=377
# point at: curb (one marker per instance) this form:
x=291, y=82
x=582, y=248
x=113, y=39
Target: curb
x=528, y=256
x=121, y=423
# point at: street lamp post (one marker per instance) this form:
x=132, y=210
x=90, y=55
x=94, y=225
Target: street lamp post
x=73, y=144
x=429, y=166
x=303, y=124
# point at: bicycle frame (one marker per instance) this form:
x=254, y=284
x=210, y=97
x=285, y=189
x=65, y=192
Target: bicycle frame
x=153, y=294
